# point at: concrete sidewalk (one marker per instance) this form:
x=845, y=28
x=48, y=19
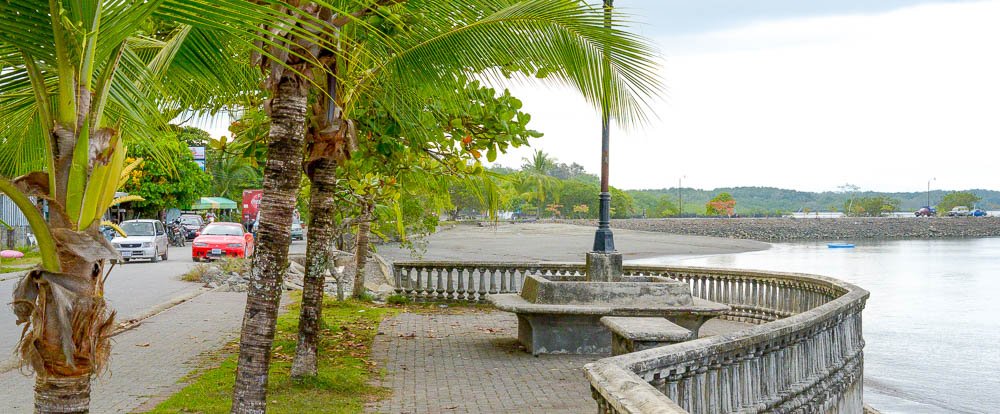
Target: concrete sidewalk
x=150, y=359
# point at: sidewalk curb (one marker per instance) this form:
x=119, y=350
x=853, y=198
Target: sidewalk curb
x=13, y=363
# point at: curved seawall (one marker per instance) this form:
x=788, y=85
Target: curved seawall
x=846, y=228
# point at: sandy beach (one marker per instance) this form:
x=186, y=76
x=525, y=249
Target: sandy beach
x=555, y=242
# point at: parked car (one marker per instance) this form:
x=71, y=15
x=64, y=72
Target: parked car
x=144, y=239
x=978, y=213
x=297, y=233
x=926, y=211
x=192, y=224
x=960, y=211
x=222, y=239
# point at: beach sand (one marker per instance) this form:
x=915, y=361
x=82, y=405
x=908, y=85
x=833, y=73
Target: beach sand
x=554, y=242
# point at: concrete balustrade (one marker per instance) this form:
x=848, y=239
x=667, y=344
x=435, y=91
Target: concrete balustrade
x=804, y=355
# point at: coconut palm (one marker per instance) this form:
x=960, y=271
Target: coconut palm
x=79, y=79
x=535, y=173
x=408, y=53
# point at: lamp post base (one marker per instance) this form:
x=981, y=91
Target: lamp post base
x=604, y=267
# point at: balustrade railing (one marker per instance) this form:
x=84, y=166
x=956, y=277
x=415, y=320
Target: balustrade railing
x=469, y=281
x=804, y=355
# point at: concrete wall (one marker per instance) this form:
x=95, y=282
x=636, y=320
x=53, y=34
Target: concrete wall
x=788, y=229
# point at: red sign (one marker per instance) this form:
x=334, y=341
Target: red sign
x=251, y=204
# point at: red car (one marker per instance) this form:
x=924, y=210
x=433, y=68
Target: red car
x=222, y=239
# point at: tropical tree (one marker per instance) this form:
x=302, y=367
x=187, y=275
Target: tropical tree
x=535, y=174
x=435, y=43
x=78, y=79
x=230, y=175
x=955, y=199
x=565, y=39
x=722, y=204
x=156, y=179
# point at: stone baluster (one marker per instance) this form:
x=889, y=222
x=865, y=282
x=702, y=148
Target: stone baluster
x=462, y=293
x=685, y=388
x=699, y=385
x=470, y=286
x=672, y=384
x=482, y=283
x=397, y=274
x=725, y=387
x=438, y=290
x=713, y=390
x=512, y=281
x=493, y=281
x=451, y=283
x=504, y=279
x=419, y=285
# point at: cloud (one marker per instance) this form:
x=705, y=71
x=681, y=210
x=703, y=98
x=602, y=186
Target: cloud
x=883, y=101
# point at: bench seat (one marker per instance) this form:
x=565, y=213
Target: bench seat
x=633, y=334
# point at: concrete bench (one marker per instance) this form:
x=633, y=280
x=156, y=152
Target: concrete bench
x=633, y=334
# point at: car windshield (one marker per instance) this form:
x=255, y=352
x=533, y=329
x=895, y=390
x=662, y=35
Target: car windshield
x=190, y=220
x=223, y=230
x=137, y=228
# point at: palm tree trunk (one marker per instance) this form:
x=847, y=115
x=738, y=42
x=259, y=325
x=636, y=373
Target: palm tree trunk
x=361, y=253
x=62, y=394
x=321, y=231
x=281, y=185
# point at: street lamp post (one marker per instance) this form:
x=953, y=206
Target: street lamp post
x=604, y=240
x=929, y=192
x=680, y=198
x=604, y=264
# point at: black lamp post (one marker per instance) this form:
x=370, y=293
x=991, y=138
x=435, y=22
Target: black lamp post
x=604, y=240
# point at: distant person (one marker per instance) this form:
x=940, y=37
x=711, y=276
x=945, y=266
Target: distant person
x=210, y=217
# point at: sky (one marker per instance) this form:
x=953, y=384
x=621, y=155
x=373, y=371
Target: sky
x=886, y=95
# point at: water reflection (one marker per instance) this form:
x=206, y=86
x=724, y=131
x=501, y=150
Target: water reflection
x=931, y=323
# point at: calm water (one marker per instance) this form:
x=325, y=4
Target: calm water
x=932, y=323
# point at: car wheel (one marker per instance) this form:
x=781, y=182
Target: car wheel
x=165, y=253
x=156, y=257
x=195, y=259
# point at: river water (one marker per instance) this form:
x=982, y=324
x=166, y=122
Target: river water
x=931, y=325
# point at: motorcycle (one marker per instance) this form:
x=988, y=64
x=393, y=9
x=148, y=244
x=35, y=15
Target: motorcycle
x=175, y=234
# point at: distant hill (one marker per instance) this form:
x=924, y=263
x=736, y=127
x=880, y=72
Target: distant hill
x=772, y=201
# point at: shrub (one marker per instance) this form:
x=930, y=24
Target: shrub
x=196, y=273
x=397, y=299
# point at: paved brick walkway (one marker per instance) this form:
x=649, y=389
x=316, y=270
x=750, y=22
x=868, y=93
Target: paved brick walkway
x=150, y=359
x=471, y=363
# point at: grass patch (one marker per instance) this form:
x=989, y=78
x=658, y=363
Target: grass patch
x=196, y=273
x=345, y=371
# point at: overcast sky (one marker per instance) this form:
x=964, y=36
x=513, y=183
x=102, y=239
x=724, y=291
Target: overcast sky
x=806, y=95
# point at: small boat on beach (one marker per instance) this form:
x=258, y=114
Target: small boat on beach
x=840, y=245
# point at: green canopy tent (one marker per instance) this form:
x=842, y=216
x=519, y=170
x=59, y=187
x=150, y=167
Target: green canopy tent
x=214, y=203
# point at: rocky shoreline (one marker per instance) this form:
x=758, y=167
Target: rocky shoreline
x=788, y=229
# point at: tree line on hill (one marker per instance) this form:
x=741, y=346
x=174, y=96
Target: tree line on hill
x=544, y=187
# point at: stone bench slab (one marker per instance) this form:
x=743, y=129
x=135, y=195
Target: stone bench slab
x=646, y=329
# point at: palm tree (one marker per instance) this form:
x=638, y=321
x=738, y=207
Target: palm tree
x=231, y=174
x=535, y=173
x=77, y=80
x=492, y=38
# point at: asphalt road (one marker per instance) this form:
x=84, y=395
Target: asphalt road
x=132, y=289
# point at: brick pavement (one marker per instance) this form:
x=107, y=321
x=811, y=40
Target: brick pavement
x=471, y=363
x=150, y=359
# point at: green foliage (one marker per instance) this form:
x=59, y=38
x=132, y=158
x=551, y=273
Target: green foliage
x=873, y=206
x=398, y=300
x=957, y=198
x=163, y=187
